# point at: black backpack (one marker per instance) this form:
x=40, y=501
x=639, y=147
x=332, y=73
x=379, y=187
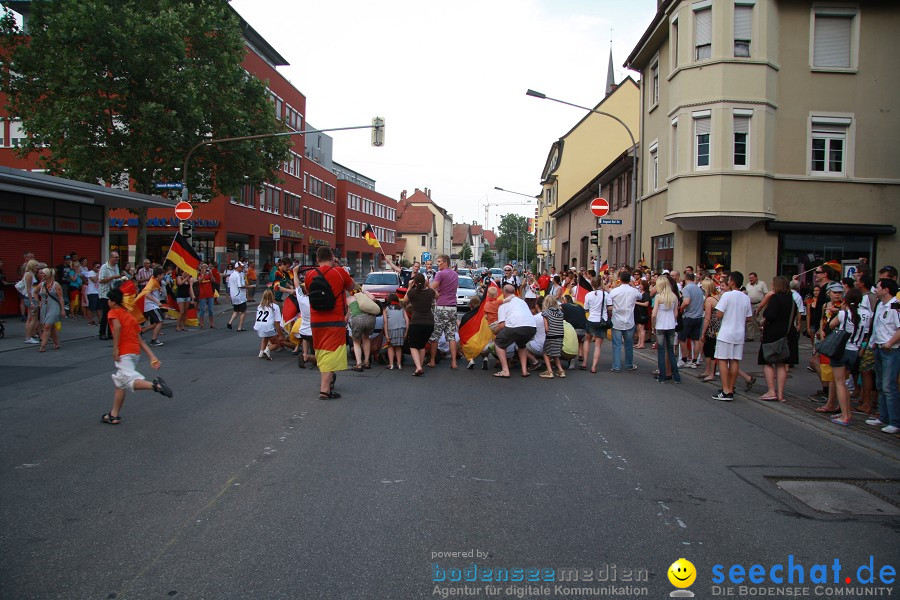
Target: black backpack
x=321, y=296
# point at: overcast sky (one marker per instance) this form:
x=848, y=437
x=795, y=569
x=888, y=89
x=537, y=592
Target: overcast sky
x=449, y=78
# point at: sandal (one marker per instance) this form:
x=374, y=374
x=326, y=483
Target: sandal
x=331, y=395
x=367, y=366
x=829, y=411
x=418, y=372
x=42, y=349
x=768, y=398
x=357, y=368
x=110, y=420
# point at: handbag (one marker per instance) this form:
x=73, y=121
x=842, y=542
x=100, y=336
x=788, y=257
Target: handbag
x=366, y=304
x=605, y=320
x=779, y=350
x=20, y=286
x=833, y=345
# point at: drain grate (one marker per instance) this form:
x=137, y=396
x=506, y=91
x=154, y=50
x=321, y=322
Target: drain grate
x=872, y=497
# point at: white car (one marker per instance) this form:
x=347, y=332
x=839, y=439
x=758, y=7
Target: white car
x=465, y=290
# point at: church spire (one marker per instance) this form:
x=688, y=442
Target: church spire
x=610, y=76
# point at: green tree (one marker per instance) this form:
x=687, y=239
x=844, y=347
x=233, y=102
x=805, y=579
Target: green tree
x=466, y=252
x=116, y=90
x=487, y=258
x=513, y=237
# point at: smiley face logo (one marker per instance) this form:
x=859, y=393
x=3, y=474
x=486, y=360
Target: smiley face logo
x=682, y=573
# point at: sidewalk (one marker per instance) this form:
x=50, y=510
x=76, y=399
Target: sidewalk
x=800, y=384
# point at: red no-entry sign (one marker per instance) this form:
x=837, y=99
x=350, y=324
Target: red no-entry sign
x=184, y=210
x=600, y=207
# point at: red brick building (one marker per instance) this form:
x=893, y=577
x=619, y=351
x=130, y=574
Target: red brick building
x=360, y=205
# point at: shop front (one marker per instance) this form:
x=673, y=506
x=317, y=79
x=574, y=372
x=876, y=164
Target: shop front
x=715, y=249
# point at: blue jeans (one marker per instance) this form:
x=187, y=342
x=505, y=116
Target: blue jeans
x=204, y=307
x=887, y=367
x=620, y=337
x=665, y=345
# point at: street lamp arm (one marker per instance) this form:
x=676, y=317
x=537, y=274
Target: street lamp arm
x=187, y=158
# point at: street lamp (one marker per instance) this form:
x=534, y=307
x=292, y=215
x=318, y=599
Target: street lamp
x=634, y=212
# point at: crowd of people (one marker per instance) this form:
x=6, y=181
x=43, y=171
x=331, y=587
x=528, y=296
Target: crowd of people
x=698, y=320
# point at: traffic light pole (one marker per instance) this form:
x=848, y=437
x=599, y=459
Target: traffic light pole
x=377, y=140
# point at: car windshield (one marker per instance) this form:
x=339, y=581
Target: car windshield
x=466, y=283
x=382, y=279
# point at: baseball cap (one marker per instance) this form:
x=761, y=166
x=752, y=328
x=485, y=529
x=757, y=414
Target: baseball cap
x=834, y=286
x=238, y=264
x=665, y=271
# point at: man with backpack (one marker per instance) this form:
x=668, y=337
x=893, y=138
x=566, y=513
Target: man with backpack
x=327, y=285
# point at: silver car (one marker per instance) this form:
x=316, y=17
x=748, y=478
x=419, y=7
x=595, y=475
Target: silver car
x=465, y=290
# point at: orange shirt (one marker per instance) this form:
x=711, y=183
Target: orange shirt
x=491, y=308
x=129, y=332
x=251, y=274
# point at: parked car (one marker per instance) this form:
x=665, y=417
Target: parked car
x=465, y=290
x=464, y=272
x=381, y=284
x=497, y=274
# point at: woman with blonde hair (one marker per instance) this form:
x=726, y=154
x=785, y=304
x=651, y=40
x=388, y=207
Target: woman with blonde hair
x=268, y=325
x=664, y=320
x=27, y=287
x=710, y=328
x=52, y=303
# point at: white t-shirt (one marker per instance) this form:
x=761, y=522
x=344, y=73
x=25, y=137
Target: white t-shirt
x=665, y=317
x=798, y=300
x=623, y=299
x=536, y=345
x=735, y=306
x=266, y=317
x=515, y=313
x=92, y=286
x=235, y=288
x=303, y=302
x=597, y=305
x=856, y=336
x=886, y=323
x=151, y=300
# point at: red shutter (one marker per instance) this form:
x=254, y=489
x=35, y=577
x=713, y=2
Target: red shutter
x=84, y=245
x=13, y=244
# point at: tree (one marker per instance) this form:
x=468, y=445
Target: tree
x=513, y=237
x=487, y=258
x=109, y=91
x=465, y=253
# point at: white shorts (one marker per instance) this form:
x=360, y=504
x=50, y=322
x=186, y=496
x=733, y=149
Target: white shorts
x=267, y=333
x=126, y=373
x=726, y=351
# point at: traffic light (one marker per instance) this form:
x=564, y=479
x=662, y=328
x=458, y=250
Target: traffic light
x=378, y=131
x=595, y=236
x=185, y=228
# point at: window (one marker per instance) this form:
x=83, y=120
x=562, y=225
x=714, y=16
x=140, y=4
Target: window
x=674, y=151
x=702, y=30
x=828, y=152
x=654, y=167
x=741, y=137
x=834, y=43
x=247, y=196
x=16, y=133
x=674, y=38
x=424, y=245
x=329, y=193
x=662, y=251
x=701, y=137
x=654, y=79
x=743, y=19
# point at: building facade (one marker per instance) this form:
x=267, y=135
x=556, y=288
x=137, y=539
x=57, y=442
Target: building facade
x=439, y=241
x=766, y=131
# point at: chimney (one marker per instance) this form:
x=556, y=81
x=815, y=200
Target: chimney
x=428, y=193
x=403, y=195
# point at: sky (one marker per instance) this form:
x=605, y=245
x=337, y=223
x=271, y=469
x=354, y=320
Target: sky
x=449, y=78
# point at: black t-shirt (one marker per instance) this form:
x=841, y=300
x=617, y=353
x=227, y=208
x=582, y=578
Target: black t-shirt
x=574, y=315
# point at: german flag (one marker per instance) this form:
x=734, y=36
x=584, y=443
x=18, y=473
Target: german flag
x=836, y=265
x=131, y=302
x=474, y=333
x=604, y=266
x=584, y=286
x=172, y=308
x=183, y=256
x=370, y=236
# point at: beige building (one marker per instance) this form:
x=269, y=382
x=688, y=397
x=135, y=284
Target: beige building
x=570, y=176
x=441, y=241
x=766, y=131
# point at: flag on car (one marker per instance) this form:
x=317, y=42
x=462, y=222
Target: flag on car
x=474, y=333
x=370, y=236
x=584, y=286
x=182, y=255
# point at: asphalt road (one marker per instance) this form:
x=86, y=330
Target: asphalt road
x=245, y=485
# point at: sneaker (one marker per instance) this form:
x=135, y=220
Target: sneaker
x=561, y=374
x=691, y=364
x=159, y=386
x=484, y=365
x=471, y=365
x=547, y=374
x=631, y=368
x=724, y=397
x=155, y=343
x=681, y=364
x=31, y=340
x=749, y=384
x=615, y=370
x=875, y=422
x=267, y=353
x=261, y=355
x=890, y=429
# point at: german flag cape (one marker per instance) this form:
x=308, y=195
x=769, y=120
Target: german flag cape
x=474, y=333
x=290, y=309
x=371, y=238
x=172, y=308
x=131, y=302
x=582, y=289
x=183, y=256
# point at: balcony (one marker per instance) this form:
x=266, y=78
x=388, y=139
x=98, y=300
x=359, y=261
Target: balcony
x=719, y=202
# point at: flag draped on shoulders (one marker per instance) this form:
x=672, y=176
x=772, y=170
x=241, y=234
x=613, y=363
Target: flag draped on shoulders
x=183, y=255
x=474, y=333
x=584, y=286
x=131, y=302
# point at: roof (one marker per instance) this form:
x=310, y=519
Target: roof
x=420, y=197
x=490, y=238
x=400, y=245
x=48, y=186
x=662, y=10
x=415, y=219
x=461, y=234
x=477, y=230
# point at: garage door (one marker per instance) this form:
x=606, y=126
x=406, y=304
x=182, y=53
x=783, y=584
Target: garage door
x=84, y=245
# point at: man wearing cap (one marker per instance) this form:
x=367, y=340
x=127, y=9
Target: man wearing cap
x=885, y=343
x=237, y=288
x=508, y=278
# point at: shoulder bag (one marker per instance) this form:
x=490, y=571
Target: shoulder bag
x=366, y=304
x=833, y=345
x=779, y=351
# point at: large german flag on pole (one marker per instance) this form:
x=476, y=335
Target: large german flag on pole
x=183, y=256
x=370, y=236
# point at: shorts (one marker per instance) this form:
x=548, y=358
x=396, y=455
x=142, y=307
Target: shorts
x=419, y=334
x=596, y=329
x=691, y=329
x=240, y=308
x=182, y=300
x=444, y=322
x=93, y=302
x=126, y=373
x=361, y=326
x=847, y=360
x=153, y=316
x=520, y=336
x=867, y=360
x=267, y=333
x=726, y=351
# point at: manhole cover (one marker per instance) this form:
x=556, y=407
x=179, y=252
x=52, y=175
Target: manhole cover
x=837, y=497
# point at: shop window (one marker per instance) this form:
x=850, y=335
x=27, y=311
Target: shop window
x=799, y=252
x=715, y=248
